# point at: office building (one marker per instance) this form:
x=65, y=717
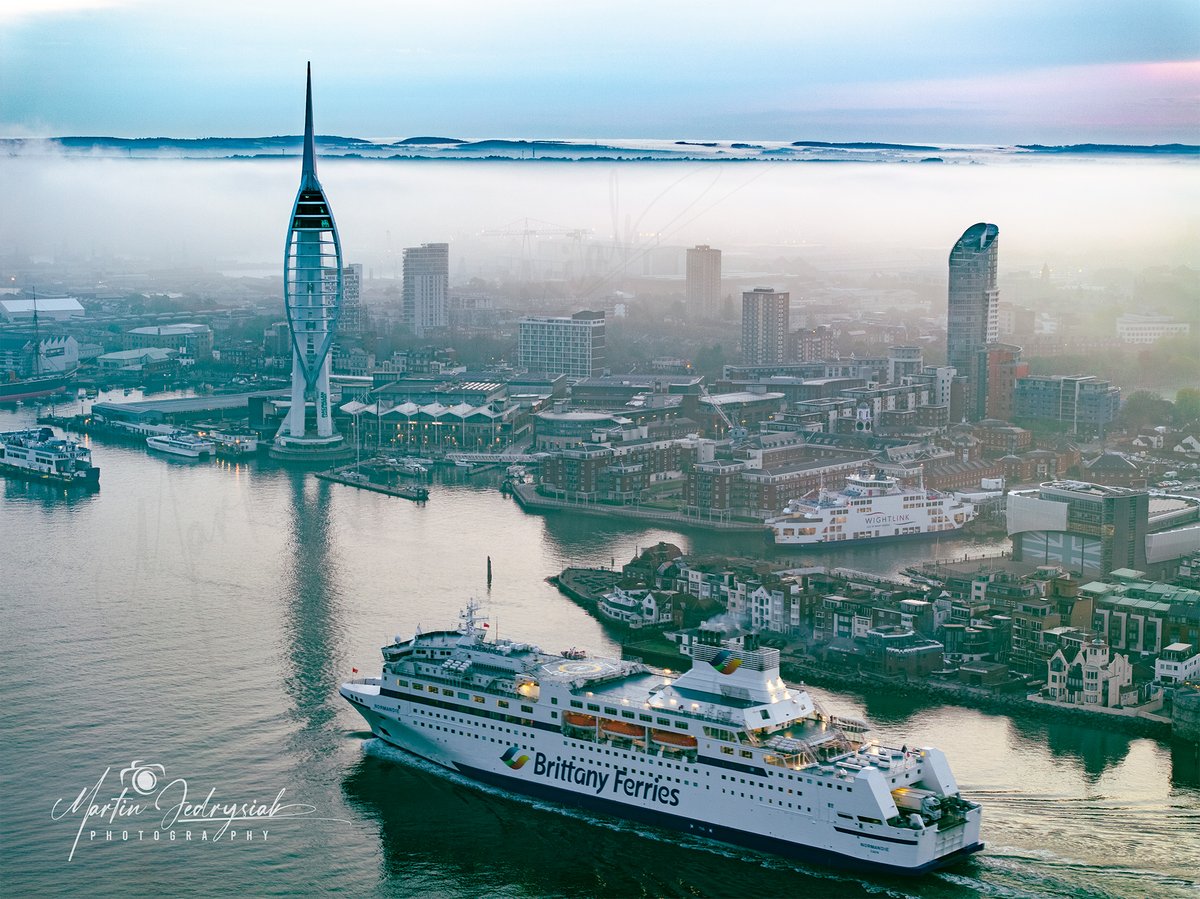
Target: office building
x=703, y=282
x=973, y=312
x=1086, y=528
x=1146, y=329
x=571, y=346
x=764, y=326
x=426, y=282
x=1084, y=402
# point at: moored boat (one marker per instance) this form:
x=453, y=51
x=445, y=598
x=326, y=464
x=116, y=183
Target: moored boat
x=36, y=454
x=872, y=506
x=181, y=443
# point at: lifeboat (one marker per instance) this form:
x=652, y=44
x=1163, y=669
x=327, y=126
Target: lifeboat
x=578, y=719
x=621, y=728
x=672, y=739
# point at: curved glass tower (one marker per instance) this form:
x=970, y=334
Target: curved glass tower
x=973, y=311
x=312, y=295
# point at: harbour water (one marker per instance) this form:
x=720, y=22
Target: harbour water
x=200, y=615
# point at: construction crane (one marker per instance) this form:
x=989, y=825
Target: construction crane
x=736, y=432
x=528, y=229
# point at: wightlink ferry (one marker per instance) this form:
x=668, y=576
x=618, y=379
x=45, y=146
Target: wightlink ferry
x=726, y=750
x=36, y=454
x=872, y=506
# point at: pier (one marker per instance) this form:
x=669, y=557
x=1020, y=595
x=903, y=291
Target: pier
x=352, y=477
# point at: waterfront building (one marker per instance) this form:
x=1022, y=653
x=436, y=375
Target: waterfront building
x=1139, y=615
x=636, y=608
x=15, y=309
x=189, y=339
x=973, y=313
x=312, y=297
x=765, y=326
x=571, y=346
x=1083, y=527
x=703, y=286
x=425, y=286
x=24, y=356
x=1179, y=663
x=149, y=360
x=1081, y=401
x=1085, y=671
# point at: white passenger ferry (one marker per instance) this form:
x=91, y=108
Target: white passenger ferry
x=870, y=507
x=181, y=443
x=38, y=455
x=726, y=750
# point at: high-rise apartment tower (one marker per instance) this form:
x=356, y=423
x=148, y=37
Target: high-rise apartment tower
x=703, y=283
x=426, y=282
x=764, y=326
x=973, y=312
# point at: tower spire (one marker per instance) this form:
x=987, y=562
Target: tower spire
x=309, y=171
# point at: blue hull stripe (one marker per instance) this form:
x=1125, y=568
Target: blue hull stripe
x=872, y=836
x=732, y=766
x=519, y=784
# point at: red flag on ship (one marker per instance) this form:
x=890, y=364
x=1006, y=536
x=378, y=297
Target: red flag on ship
x=354, y=671
x=485, y=624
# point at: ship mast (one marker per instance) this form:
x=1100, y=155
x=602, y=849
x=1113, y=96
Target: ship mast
x=37, y=340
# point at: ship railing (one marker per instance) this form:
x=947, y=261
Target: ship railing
x=366, y=681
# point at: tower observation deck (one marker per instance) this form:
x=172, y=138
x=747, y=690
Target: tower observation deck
x=312, y=296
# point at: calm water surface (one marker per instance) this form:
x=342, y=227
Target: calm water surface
x=200, y=616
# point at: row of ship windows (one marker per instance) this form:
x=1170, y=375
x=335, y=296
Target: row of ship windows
x=474, y=697
x=724, y=749
x=609, y=710
x=599, y=750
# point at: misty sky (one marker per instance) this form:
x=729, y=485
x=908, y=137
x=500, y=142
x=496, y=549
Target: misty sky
x=1021, y=71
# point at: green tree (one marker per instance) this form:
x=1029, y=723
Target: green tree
x=1143, y=409
x=1187, y=405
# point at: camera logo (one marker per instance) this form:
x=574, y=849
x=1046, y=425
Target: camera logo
x=142, y=778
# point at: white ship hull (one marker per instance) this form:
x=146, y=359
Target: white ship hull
x=817, y=798
x=871, y=508
x=191, y=449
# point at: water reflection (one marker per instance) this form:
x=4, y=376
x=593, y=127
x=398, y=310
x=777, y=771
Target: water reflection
x=47, y=496
x=435, y=828
x=312, y=602
x=1185, y=765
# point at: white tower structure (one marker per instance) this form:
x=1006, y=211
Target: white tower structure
x=312, y=296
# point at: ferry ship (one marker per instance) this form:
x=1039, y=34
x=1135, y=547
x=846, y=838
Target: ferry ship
x=181, y=443
x=235, y=443
x=726, y=750
x=37, y=454
x=872, y=506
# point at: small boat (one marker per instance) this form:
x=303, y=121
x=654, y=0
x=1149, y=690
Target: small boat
x=621, y=728
x=578, y=719
x=672, y=739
